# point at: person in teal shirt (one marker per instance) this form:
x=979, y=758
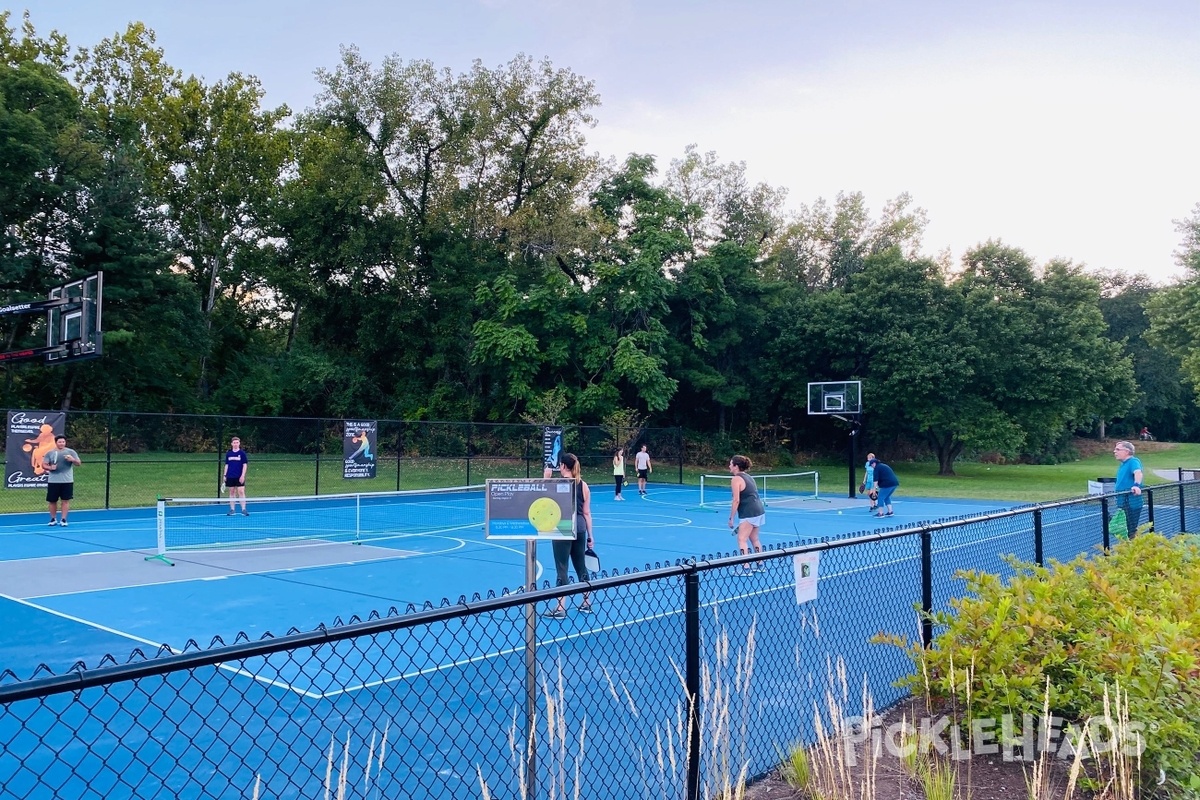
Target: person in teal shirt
x=867, y=486
x=1129, y=484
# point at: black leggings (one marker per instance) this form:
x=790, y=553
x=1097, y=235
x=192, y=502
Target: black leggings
x=570, y=552
x=620, y=481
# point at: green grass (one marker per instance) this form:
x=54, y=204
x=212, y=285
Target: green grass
x=1018, y=482
x=138, y=480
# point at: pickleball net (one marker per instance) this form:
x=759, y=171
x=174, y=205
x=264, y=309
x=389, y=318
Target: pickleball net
x=775, y=489
x=194, y=523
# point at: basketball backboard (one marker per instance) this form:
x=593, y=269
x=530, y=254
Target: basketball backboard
x=835, y=397
x=73, y=330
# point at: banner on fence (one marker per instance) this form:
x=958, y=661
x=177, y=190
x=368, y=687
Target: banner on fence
x=551, y=445
x=805, y=566
x=530, y=508
x=359, y=438
x=30, y=437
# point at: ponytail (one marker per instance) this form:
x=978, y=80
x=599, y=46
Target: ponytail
x=571, y=462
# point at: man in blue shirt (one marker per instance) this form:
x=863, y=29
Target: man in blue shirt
x=886, y=484
x=1129, y=485
x=236, y=465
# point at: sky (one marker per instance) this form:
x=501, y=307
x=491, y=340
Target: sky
x=1068, y=129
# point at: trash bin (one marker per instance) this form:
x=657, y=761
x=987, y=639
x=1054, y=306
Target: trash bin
x=1102, y=486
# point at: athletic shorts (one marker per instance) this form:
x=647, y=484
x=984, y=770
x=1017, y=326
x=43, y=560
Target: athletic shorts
x=643, y=474
x=755, y=521
x=59, y=491
x=233, y=483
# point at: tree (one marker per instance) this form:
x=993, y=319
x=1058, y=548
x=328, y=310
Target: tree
x=720, y=204
x=823, y=247
x=996, y=359
x=213, y=157
x=48, y=158
x=1175, y=312
x=1164, y=403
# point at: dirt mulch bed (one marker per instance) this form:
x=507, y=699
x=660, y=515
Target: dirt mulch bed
x=982, y=777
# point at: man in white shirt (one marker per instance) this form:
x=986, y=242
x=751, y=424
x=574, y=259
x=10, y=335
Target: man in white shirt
x=60, y=480
x=644, y=468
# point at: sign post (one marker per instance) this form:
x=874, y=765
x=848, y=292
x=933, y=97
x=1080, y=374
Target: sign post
x=533, y=509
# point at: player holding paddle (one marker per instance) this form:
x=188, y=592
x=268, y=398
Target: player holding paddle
x=572, y=551
x=748, y=507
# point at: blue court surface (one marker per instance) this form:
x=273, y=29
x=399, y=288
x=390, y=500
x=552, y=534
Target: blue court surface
x=449, y=694
x=78, y=594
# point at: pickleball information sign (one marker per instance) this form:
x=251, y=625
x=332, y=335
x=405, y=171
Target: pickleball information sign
x=530, y=508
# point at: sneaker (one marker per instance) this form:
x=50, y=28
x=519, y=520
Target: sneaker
x=229, y=513
x=245, y=513
x=53, y=522
x=63, y=523
x=555, y=613
x=743, y=572
x=760, y=568
x=586, y=608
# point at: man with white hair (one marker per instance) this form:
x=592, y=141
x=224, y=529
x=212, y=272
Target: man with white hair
x=1129, y=484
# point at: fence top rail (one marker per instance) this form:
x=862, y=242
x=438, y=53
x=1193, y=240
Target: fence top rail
x=77, y=680
x=228, y=417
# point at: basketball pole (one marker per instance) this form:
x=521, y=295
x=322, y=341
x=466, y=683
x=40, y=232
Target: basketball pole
x=855, y=426
x=853, y=458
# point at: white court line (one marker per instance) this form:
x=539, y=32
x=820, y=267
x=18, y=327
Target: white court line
x=496, y=654
x=156, y=645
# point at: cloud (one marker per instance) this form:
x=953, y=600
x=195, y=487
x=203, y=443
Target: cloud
x=1060, y=147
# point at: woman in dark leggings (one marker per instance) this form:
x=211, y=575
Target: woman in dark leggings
x=570, y=551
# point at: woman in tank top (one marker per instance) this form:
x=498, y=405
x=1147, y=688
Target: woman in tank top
x=571, y=551
x=747, y=507
x=619, y=471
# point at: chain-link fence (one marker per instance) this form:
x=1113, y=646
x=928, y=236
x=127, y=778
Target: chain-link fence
x=131, y=459
x=680, y=678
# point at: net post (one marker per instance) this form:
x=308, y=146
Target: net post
x=161, y=526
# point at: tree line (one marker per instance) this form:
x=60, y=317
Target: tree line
x=424, y=244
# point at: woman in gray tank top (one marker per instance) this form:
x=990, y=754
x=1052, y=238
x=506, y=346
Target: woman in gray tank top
x=747, y=507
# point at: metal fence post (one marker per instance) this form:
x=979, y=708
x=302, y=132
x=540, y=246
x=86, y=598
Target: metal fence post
x=1149, y=506
x=1037, y=538
x=1104, y=520
x=679, y=443
x=399, y=451
x=1182, y=510
x=926, y=588
x=107, y=458
x=320, y=444
x=691, y=615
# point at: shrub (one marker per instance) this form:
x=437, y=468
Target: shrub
x=1131, y=618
